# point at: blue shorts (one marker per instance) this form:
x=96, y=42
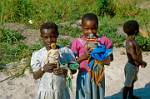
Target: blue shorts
x=131, y=72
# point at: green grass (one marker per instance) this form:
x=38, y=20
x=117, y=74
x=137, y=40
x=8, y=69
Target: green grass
x=69, y=10
x=10, y=37
x=144, y=43
x=12, y=48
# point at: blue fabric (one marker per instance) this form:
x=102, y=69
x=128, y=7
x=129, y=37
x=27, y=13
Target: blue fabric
x=99, y=53
x=91, y=64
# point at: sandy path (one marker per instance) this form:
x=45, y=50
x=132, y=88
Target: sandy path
x=25, y=87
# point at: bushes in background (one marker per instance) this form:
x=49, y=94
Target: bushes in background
x=112, y=14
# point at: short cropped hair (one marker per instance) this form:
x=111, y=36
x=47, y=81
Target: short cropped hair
x=91, y=17
x=131, y=27
x=49, y=25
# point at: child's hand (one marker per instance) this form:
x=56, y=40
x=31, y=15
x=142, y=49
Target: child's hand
x=87, y=52
x=86, y=55
x=107, y=62
x=49, y=67
x=60, y=71
x=144, y=64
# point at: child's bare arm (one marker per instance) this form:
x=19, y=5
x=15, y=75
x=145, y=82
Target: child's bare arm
x=60, y=71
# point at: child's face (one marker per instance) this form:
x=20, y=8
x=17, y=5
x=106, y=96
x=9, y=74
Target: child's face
x=89, y=27
x=49, y=36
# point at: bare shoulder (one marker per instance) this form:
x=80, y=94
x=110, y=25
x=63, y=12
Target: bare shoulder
x=130, y=44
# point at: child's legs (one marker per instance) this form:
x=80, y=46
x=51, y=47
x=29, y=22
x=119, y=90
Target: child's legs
x=130, y=77
x=131, y=95
x=131, y=89
x=128, y=91
x=125, y=92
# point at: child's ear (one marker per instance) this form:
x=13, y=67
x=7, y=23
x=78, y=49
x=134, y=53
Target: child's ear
x=136, y=32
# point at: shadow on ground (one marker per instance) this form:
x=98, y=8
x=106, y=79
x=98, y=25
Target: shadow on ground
x=143, y=93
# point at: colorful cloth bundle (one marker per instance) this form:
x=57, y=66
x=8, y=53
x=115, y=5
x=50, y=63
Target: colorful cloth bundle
x=97, y=57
